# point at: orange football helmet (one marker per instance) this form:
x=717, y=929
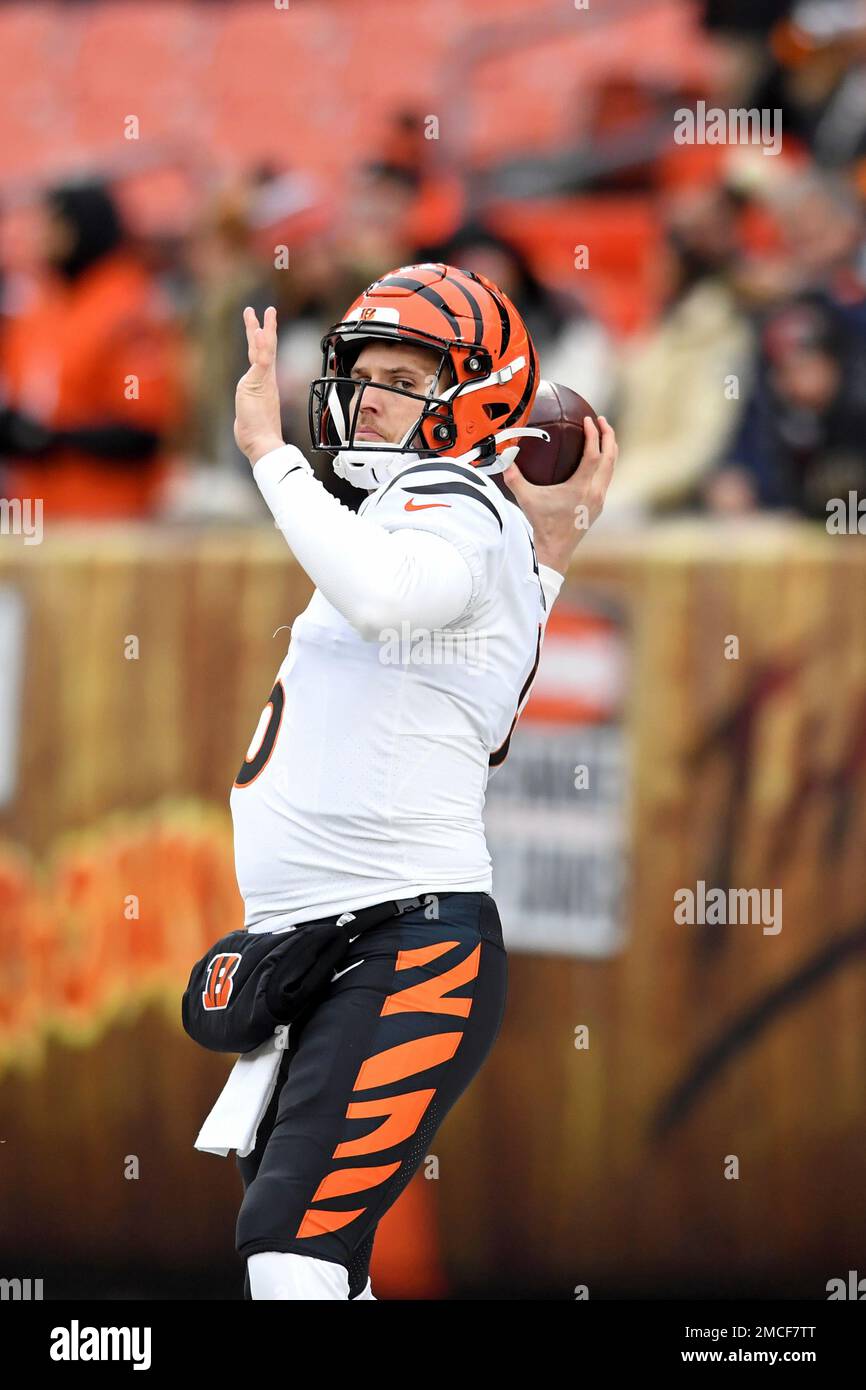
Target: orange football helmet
x=476, y=330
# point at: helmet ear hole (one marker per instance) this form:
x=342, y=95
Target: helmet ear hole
x=496, y=410
x=479, y=362
x=436, y=434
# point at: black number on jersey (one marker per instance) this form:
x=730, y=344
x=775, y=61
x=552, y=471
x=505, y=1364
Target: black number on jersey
x=251, y=768
x=537, y=575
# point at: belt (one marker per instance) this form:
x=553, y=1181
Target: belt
x=371, y=916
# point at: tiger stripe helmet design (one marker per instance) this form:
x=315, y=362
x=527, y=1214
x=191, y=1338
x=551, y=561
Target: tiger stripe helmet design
x=486, y=397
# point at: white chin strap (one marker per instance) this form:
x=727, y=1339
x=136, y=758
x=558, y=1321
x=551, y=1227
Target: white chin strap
x=505, y=459
x=364, y=469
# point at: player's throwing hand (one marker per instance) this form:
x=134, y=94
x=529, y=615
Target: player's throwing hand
x=562, y=514
x=258, y=428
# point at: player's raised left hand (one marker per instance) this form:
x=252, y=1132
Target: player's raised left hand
x=258, y=428
x=562, y=513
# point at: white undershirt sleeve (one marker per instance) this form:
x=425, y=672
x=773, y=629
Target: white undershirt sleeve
x=551, y=582
x=374, y=577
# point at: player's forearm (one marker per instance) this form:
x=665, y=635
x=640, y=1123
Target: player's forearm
x=376, y=578
x=555, y=556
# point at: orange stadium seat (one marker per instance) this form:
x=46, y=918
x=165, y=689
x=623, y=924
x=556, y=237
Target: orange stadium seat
x=288, y=112
x=228, y=84
x=622, y=237
x=33, y=118
x=144, y=61
x=186, y=71
x=29, y=35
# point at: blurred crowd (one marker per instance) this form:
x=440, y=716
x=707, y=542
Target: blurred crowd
x=745, y=391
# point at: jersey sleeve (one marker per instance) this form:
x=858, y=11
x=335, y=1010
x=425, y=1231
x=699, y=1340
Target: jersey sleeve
x=377, y=578
x=453, y=502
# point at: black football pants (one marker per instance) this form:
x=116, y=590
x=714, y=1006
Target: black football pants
x=373, y=1066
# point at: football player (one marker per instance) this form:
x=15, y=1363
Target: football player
x=363, y=788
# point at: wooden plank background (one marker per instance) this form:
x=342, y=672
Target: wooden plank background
x=554, y=1169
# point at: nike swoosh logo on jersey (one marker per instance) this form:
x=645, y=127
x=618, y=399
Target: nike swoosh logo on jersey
x=412, y=506
x=337, y=973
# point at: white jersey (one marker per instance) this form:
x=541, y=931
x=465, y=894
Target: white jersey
x=365, y=779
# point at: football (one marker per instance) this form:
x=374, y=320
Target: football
x=560, y=411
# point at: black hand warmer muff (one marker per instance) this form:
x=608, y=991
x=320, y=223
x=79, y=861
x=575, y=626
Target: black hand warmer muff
x=250, y=983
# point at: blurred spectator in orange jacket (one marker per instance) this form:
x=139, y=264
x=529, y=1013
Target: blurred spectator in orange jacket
x=88, y=369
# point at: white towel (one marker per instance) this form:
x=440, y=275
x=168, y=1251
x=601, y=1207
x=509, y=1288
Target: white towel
x=240, y=1106
x=235, y=1118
